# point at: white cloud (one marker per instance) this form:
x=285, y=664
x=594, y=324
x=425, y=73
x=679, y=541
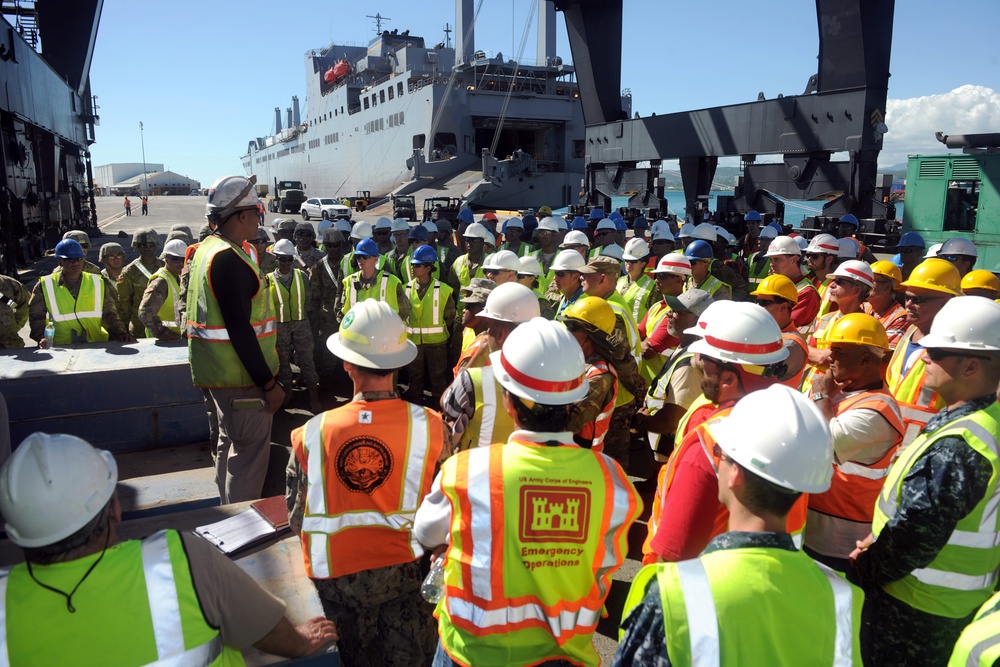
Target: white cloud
x=912, y=122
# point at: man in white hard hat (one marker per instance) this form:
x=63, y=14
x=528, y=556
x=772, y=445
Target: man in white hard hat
x=470, y=265
x=961, y=252
x=932, y=559
x=471, y=405
x=157, y=308
x=637, y=288
x=84, y=598
x=355, y=479
x=821, y=258
x=513, y=229
x=382, y=234
x=547, y=237
x=400, y=235
x=554, y=520
x=290, y=298
x=604, y=235
x=759, y=264
x=232, y=331
x=785, y=255
x=567, y=281
x=577, y=240
x=740, y=595
x=502, y=267
x=669, y=274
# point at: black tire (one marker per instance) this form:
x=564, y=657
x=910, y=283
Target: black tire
x=326, y=215
x=305, y=214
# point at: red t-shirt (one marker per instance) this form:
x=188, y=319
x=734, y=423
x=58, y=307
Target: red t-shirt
x=807, y=308
x=688, y=513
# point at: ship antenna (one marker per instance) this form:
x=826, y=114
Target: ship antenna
x=447, y=36
x=378, y=18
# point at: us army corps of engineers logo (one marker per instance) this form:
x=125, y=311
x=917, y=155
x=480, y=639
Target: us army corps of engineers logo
x=554, y=514
x=363, y=464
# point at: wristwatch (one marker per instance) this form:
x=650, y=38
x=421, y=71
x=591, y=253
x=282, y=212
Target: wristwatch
x=819, y=396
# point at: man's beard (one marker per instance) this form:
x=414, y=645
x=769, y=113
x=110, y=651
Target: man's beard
x=710, y=387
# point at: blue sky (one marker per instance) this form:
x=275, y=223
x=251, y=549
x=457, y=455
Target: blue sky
x=204, y=77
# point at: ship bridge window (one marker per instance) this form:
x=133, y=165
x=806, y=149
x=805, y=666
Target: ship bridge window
x=961, y=203
x=399, y=89
x=381, y=96
x=374, y=99
x=390, y=92
x=366, y=102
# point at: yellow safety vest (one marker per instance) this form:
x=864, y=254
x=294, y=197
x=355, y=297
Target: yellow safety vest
x=490, y=423
x=650, y=368
x=979, y=645
x=385, y=286
x=618, y=305
x=80, y=316
x=167, y=312
x=636, y=294
x=426, y=325
x=917, y=402
x=289, y=304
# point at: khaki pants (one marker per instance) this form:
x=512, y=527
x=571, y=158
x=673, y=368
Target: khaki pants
x=244, y=444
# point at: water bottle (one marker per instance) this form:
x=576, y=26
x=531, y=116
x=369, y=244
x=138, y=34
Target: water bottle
x=50, y=333
x=432, y=589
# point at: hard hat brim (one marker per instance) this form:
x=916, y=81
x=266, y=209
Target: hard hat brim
x=537, y=395
x=378, y=361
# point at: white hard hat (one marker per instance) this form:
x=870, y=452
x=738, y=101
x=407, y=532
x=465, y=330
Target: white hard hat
x=561, y=221
x=361, y=230
x=768, y=232
x=825, y=244
x=514, y=222
x=606, y=223
x=686, y=230
x=802, y=241
x=322, y=226
x=568, y=260
x=431, y=227
x=662, y=235
x=503, y=260
x=613, y=250
x=741, y=333
x=723, y=233
x=382, y=223
x=175, y=248
x=706, y=316
x=511, y=302
x=530, y=266
x=548, y=223
x=705, y=231
x=783, y=245
x=780, y=435
x=635, y=250
x=857, y=271
x=490, y=239
x=575, y=237
x=283, y=247
x=933, y=250
x=541, y=362
x=959, y=246
x=477, y=231
x=229, y=194
x=966, y=323
x=52, y=486
x=400, y=225
x=661, y=226
x=849, y=248
x=673, y=262
x=342, y=225
x=373, y=336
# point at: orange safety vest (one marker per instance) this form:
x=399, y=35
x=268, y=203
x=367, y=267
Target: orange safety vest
x=478, y=343
x=855, y=486
x=916, y=402
x=595, y=430
x=790, y=333
x=369, y=466
x=536, y=534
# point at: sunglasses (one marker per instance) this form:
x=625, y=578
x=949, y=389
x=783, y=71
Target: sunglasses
x=146, y=245
x=721, y=455
x=812, y=255
x=170, y=258
x=843, y=282
x=382, y=232
x=937, y=355
x=332, y=245
x=953, y=258
x=115, y=256
x=604, y=232
x=909, y=251
x=572, y=326
x=424, y=265
x=563, y=274
x=764, y=303
x=920, y=300
x=285, y=259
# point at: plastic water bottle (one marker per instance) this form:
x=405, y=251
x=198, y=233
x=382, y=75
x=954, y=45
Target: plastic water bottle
x=50, y=333
x=432, y=589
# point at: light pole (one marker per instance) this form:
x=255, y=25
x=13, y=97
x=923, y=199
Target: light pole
x=142, y=142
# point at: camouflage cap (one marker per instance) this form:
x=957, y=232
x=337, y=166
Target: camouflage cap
x=179, y=234
x=477, y=291
x=261, y=234
x=80, y=237
x=110, y=249
x=332, y=234
x=609, y=266
x=444, y=226
x=204, y=232
x=181, y=228
x=305, y=227
x=287, y=225
x=145, y=236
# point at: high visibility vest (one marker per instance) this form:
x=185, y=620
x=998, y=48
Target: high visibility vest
x=383, y=289
x=142, y=589
x=650, y=368
x=964, y=572
x=290, y=304
x=618, y=305
x=81, y=315
x=468, y=335
x=893, y=314
x=710, y=284
x=548, y=275
x=804, y=285
x=477, y=344
x=917, y=402
x=463, y=270
x=521, y=249
x=821, y=330
x=426, y=324
x=979, y=644
x=658, y=390
x=369, y=466
x=758, y=269
x=855, y=486
x=167, y=311
x=825, y=304
x=711, y=603
x=490, y=423
x=636, y=294
x=213, y=360
x=596, y=429
x=791, y=334
x=536, y=533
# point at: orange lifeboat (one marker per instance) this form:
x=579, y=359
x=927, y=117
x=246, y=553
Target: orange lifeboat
x=337, y=72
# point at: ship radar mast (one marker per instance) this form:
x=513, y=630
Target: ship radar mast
x=378, y=18
x=447, y=36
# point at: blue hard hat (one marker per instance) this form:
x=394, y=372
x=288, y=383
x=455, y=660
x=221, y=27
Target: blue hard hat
x=619, y=224
x=368, y=248
x=424, y=255
x=911, y=240
x=616, y=216
x=640, y=223
x=752, y=216
x=418, y=233
x=69, y=249
x=465, y=215
x=850, y=219
x=699, y=250
x=579, y=223
x=897, y=259
x=597, y=214
x=776, y=227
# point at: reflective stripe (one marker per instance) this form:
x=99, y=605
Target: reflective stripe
x=481, y=523
x=490, y=406
x=427, y=330
x=312, y=440
x=331, y=525
x=265, y=328
x=139, y=265
x=56, y=316
x=199, y=656
x=619, y=515
x=414, y=473
x=703, y=622
x=843, y=613
x=976, y=654
x=329, y=271
x=954, y=580
x=566, y=622
x=858, y=470
x=4, y=656
x=797, y=540
x=164, y=607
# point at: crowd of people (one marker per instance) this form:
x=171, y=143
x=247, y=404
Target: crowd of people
x=826, y=426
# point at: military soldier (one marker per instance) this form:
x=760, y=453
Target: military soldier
x=84, y=240
x=306, y=252
x=134, y=278
x=157, y=308
x=112, y=256
x=13, y=312
x=432, y=317
x=371, y=283
x=265, y=259
x=290, y=296
x=325, y=284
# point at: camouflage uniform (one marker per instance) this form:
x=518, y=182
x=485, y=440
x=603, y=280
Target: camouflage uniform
x=131, y=284
x=598, y=394
x=153, y=298
x=38, y=311
x=267, y=261
x=295, y=335
x=325, y=283
x=306, y=260
x=13, y=312
x=83, y=238
x=380, y=615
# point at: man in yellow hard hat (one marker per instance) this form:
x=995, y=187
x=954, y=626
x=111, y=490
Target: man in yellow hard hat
x=980, y=282
x=883, y=303
x=777, y=295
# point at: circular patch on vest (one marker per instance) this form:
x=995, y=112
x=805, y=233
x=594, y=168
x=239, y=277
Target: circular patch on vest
x=363, y=464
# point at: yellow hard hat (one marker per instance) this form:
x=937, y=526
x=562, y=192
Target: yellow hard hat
x=936, y=274
x=594, y=311
x=545, y=210
x=886, y=268
x=857, y=329
x=777, y=285
x=980, y=279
